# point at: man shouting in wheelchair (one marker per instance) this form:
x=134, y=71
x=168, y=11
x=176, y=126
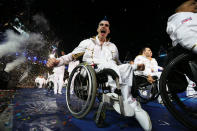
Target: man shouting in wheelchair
x=100, y=51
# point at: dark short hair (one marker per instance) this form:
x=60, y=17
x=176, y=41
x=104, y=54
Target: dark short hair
x=172, y=6
x=143, y=49
x=177, y=3
x=104, y=19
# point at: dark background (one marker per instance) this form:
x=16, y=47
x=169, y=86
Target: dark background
x=134, y=24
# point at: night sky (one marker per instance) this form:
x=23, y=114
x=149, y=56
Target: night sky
x=134, y=24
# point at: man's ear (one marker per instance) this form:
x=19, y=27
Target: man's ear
x=97, y=30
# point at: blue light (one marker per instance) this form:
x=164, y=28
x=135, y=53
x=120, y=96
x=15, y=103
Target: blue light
x=162, y=55
x=29, y=58
x=35, y=58
x=24, y=53
x=45, y=62
x=66, y=67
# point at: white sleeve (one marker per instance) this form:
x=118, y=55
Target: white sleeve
x=116, y=55
x=155, y=65
x=154, y=68
x=65, y=59
x=36, y=80
x=140, y=60
x=186, y=32
x=79, y=49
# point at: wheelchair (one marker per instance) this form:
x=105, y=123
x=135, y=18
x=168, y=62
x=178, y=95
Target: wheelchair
x=37, y=85
x=173, y=86
x=86, y=86
x=50, y=86
x=143, y=90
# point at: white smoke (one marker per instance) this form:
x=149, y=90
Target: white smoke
x=41, y=22
x=24, y=75
x=18, y=43
x=10, y=66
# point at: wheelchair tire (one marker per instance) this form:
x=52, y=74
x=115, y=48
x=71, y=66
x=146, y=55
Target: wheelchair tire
x=50, y=85
x=173, y=97
x=90, y=91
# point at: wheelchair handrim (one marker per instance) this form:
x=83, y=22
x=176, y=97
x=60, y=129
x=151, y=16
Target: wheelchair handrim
x=168, y=102
x=91, y=98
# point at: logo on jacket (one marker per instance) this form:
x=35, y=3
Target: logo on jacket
x=185, y=20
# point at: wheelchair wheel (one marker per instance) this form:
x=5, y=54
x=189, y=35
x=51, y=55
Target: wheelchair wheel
x=50, y=85
x=81, y=90
x=173, y=90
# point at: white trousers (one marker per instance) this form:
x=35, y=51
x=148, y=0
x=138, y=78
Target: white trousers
x=58, y=83
x=125, y=72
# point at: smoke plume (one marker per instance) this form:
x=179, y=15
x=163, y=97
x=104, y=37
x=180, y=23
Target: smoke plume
x=10, y=66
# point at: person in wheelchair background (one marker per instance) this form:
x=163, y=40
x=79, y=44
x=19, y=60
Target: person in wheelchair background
x=50, y=82
x=150, y=75
x=100, y=51
x=40, y=81
x=182, y=29
x=58, y=77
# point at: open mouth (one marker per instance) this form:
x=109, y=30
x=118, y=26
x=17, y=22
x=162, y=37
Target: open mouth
x=103, y=31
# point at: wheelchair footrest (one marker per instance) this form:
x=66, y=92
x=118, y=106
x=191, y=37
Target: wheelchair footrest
x=109, y=98
x=100, y=110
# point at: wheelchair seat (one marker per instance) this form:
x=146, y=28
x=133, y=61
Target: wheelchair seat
x=143, y=90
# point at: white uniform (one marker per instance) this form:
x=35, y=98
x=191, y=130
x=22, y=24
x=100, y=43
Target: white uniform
x=151, y=68
x=58, y=79
x=41, y=81
x=72, y=65
x=182, y=28
x=50, y=78
x=106, y=56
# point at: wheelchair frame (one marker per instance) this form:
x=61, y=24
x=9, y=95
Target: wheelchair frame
x=88, y=87
x=171, y=95
x=142, y=86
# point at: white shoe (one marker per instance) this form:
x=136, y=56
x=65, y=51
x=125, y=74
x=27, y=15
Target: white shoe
x=59, y=93
x=142, y=116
